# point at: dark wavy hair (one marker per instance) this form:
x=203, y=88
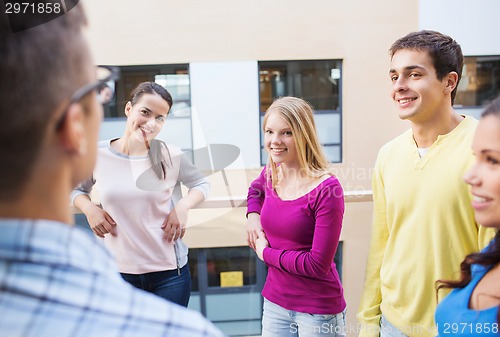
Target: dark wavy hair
x=491, y=256
x=156, y=147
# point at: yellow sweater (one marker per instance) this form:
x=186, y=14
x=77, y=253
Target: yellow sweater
x=423, y=228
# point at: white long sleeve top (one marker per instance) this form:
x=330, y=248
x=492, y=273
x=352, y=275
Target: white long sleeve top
x=139, y=202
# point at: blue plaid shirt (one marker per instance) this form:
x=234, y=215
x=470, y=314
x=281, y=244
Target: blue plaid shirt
x=56, y=280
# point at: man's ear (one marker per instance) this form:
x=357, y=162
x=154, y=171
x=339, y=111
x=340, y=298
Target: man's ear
x=451, y=81
x=73, y=134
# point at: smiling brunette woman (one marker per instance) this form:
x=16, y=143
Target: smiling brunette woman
x=472, y=309
x=141, y=220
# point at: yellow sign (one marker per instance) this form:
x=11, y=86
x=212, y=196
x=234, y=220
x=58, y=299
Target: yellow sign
x=231, y=279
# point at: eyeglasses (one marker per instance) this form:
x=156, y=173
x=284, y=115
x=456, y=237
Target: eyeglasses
x=104, y=74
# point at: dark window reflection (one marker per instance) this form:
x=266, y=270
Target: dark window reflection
x=173, y=77
x=231, y=259
x=480, y=81
x=317, y=81
x=193, y=268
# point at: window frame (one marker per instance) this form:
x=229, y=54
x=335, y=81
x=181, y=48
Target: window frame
x=285, y=64
x=124, y=85
x=479, y=103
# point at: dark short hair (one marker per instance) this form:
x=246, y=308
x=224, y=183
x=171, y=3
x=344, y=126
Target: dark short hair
x=40, y=67
x=446, y=53
x=150, y=88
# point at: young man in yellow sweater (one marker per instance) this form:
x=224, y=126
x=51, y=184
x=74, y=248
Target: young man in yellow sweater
x=423, y=220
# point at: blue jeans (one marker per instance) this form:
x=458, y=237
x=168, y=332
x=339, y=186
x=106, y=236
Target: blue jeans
x=280, y=322
x=389, y=330
x=167, y=284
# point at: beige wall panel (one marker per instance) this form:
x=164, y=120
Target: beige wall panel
x=356, y=233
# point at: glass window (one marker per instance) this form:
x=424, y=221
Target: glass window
x=193, y=269
x=480, y=81
x=178, y=86
x=174, y=77
x=316, y=81
x=237, y=263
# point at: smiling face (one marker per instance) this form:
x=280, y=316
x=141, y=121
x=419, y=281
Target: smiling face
x=146, y=117
x=279, y=140
x=416, y=91
x=484, y=176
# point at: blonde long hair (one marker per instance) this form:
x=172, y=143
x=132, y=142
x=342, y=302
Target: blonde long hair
x=299, y=115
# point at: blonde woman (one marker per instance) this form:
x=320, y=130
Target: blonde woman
x=295, y=212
